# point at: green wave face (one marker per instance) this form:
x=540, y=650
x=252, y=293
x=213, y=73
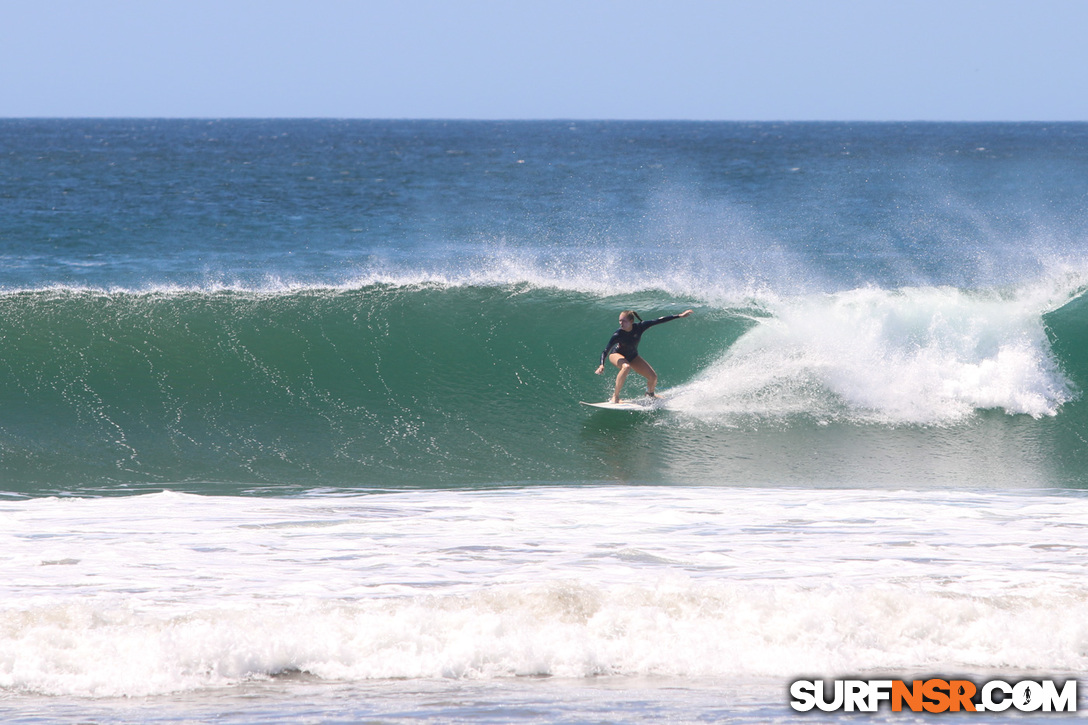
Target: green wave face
x=377, y=386
x=446, y=385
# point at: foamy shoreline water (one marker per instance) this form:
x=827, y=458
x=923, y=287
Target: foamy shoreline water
x=171, y=592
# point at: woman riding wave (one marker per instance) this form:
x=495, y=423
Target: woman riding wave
x=622, y=350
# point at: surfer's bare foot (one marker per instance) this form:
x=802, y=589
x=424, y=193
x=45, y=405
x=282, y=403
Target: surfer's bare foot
x=652, y=394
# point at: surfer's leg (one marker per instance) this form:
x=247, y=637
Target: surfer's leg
x=621, y=362
x=643, y=368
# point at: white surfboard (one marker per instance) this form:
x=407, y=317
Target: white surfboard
x=638, y=405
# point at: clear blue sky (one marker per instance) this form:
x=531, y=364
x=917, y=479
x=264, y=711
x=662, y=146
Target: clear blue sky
x=515, y=59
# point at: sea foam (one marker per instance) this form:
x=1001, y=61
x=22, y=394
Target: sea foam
x=911, y=355
x=172, y=592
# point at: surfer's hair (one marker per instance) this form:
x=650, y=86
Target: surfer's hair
x=630, y=313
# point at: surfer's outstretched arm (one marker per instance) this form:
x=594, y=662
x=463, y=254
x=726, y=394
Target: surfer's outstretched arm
x=667, y=318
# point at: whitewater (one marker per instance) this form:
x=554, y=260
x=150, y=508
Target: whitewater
x=290, y=426
x=712, y=584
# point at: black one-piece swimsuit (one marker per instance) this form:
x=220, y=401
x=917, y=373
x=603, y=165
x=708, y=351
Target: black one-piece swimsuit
x=625, y=342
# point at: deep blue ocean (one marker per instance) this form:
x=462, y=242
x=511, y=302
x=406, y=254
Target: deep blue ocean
x=290, y=425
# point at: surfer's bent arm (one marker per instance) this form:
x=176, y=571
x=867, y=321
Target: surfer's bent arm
x=613, y=343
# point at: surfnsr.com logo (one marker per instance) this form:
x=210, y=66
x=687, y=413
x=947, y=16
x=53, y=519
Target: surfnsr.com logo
x=934, y=695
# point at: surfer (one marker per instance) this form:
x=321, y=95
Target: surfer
x=622, y=350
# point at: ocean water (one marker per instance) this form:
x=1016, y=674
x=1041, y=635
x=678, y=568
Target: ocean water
x=290, y=425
